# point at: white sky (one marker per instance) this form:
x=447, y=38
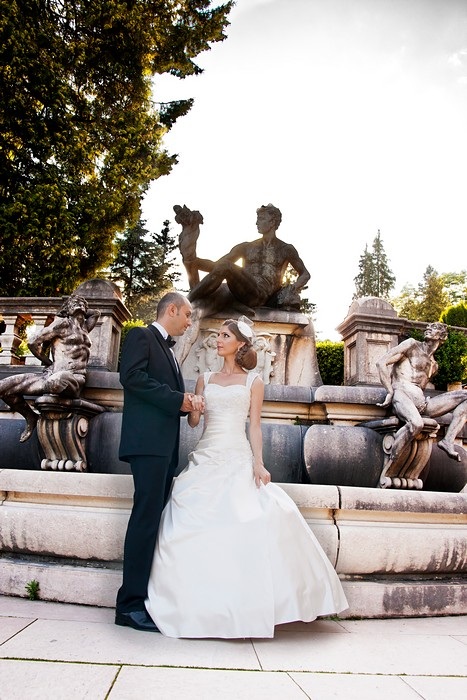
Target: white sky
x=348, y=115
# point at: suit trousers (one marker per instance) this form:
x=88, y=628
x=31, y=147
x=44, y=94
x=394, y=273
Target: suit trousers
x=152, y=476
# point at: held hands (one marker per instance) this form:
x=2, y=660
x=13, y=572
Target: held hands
x=261, y=474
x=193, y=402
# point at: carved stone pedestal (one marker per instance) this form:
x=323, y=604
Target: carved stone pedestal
x=404, y=472
x=62, y=430
x=284, y=342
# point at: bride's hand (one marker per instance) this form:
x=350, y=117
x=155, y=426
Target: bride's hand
x=197, y=403
x=261, y=474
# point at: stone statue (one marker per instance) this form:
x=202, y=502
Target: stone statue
x=208, y=359
x=190, y=221
x=405, y=371
x=229, y=287
x=67, y=342
x=265, y=357
x=259, y=282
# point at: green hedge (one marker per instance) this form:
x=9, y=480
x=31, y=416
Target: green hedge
x=451, y=357
x=330, y=357
x=127, y=326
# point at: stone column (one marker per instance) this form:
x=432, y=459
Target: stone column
x=106, y=297
x=370, y=329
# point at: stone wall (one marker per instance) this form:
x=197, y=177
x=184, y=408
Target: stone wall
x=397, y=554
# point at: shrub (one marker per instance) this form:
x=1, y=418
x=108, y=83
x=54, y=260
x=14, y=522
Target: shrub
x=451, y=357
x=455, y=315
x=330, y=357
x=127, y=326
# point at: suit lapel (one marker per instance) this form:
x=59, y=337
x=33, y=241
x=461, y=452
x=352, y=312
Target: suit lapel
x=168, y=353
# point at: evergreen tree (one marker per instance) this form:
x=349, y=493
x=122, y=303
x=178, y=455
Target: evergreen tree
x=407, y=304
x=455, y=285
x=168, y=245
x=80, y=132
x=143, y=267
x=432, y=296
x=375, y=278
x=426, y=302
x=364, y=281
x=384, y=279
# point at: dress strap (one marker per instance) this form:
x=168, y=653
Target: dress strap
x=206, y=376
x=251, y=378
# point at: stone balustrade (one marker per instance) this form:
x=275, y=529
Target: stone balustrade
x=38, y=312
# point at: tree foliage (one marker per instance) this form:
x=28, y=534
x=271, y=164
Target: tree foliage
x=143, y=267
x=451, y=357
x=427, y=302
x=455, y=315
x=307, y=307
x=375, y=277
x=81, y=136
x=455, y=286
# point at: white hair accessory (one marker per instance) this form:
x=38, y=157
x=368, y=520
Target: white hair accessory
x=244, y=326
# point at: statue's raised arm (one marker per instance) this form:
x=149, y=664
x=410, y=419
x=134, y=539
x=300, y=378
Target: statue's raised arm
x=64, y=348
x=190, y=221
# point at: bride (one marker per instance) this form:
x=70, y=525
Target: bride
x=234, y=556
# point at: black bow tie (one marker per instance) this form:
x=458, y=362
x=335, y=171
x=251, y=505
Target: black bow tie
x=170, y=341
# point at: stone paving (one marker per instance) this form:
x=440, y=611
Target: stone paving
x=54, y=650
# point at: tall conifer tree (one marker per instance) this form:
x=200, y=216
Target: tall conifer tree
x=375, y=278
x=80, y=130
x=144, y=267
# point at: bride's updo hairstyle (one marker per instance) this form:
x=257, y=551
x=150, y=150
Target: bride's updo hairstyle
x=246, y=356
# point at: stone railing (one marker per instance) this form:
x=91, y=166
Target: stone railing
x=29, y=315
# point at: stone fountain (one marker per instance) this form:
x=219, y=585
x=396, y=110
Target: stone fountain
x=399, y=551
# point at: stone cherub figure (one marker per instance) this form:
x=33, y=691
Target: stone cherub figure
x=265, y=357
x=68, y=344
x=190, y=221
x=405, y=371
x=208, y=359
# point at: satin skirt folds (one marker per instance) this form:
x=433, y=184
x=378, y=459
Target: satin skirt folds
x=232, y=560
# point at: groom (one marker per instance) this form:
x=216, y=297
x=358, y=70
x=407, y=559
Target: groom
x=154, y=399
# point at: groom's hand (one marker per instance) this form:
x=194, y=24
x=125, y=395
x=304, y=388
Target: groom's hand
x=193, y=402
x=187, y=404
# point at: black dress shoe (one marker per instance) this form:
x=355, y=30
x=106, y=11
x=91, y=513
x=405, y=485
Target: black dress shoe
x=138, y=619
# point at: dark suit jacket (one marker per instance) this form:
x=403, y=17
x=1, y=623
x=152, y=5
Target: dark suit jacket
x=153, y=394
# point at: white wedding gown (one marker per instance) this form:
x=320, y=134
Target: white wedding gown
x=233, y=560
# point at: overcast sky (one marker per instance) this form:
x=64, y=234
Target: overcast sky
x=348, y=115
